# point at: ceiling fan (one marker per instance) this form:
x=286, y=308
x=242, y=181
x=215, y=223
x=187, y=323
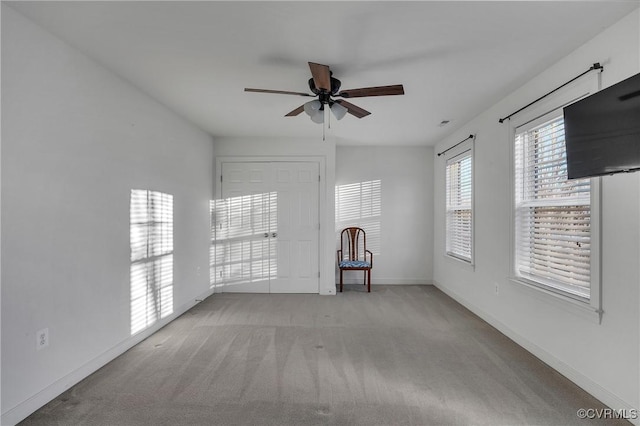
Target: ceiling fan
x=325, y=87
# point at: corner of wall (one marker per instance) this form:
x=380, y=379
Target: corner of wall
x=27, y=407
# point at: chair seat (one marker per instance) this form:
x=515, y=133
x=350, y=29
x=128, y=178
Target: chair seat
x=354, y=264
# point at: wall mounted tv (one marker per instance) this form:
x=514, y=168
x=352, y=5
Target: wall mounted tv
x=602, y=131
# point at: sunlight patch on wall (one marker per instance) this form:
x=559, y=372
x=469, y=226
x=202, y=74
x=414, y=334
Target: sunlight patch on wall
x=243, y=234
x=151, y=274
x=360, y=204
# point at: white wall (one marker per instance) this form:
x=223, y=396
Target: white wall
x=602, y=358
x=75, y=140
x=292, y=149
x=406, y=221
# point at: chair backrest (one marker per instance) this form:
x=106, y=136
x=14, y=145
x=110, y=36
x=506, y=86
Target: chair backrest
x=353, y=243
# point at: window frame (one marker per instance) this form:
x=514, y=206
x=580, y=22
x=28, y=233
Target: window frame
x=528, y=120
x=460, y=152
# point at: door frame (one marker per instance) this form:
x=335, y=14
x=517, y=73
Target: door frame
x=322, y=197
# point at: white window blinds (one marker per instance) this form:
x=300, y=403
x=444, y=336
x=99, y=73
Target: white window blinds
x=553, y=214
x=360, y=204
x=459, y=215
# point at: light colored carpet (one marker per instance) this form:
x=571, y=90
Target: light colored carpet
x=400, y=355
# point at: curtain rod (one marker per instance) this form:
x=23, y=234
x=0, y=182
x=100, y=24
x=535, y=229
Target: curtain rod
x=595, y=66
x=465, y=139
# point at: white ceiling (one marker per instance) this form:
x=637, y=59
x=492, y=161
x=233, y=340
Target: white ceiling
x=455, y=59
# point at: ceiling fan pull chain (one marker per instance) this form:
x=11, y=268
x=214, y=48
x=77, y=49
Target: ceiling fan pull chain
x=323, y=126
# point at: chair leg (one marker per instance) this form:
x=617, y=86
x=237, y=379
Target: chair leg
x=369, y=275
x=340, y=280
x=365, y=277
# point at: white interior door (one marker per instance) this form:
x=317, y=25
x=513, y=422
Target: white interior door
x=298, y=228
x=243, y=245
x=271, y=235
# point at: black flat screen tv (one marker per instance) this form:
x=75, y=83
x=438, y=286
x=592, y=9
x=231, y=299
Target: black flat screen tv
x=602, y=131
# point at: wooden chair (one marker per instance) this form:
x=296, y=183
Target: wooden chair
x=353, y=254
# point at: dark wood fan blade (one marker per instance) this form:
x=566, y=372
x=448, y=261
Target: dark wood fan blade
x=321, y=76
x=397, y=89
x=295, y=111
x=279, y=92
x=353, y=109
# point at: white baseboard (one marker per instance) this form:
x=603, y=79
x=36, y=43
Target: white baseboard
x=593, y=388
x=30, y=405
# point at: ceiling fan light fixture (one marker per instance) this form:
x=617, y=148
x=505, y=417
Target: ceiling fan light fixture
x=312, y=107
x=338, y=110
x=318, y=116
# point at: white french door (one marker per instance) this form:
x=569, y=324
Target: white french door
x=271, y=232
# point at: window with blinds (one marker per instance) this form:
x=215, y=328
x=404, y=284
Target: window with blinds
x=360, y=204
x=151, y=272
x=459, y=205
x=553, y=214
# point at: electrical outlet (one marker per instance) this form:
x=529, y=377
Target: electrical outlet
x=42, y=339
